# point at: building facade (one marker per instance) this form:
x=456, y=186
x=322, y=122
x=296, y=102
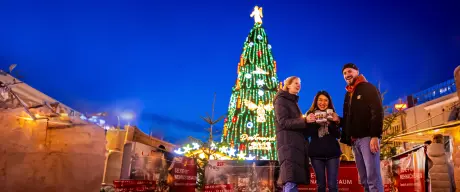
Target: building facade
x=117, y=140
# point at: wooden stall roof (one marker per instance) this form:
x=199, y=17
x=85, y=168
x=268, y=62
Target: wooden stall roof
x=422, y=135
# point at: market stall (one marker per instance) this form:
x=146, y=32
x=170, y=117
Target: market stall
x=451, y=133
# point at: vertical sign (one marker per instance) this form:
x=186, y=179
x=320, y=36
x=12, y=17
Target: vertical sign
x=184, y=174
x=409, y=171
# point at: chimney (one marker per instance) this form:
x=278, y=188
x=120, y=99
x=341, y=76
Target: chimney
x=410, y=101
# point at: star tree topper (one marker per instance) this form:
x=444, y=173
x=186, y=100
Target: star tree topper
x=257, y=14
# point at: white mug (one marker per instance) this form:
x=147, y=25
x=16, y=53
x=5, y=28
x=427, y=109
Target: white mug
x=321, y=116
x=329, y=113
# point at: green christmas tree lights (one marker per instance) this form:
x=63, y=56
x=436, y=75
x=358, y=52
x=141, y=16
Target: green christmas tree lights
x=250, y=124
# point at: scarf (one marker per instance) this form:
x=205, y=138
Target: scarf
x=323, y=129
x=359, y=79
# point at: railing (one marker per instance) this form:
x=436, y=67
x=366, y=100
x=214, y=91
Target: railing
x=414, y=127
x=436, y=91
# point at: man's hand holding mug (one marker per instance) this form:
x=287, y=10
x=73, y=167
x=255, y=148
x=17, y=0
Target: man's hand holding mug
x=335, y=118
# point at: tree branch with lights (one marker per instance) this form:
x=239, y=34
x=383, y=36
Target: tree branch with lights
x=202, y=152
x=387, y=148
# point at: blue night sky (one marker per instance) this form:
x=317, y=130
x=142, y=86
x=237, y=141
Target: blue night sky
x=165, y=59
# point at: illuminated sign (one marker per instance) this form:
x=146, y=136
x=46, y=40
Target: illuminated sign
x=246, y=137
x=260, y=146
x=256, y=142
x=400, y=106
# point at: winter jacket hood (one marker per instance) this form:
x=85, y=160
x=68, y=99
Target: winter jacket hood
x=359, y=79
x=436, y=150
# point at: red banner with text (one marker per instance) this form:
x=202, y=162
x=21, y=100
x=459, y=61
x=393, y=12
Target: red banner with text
x=348, y=179
x=409, y=171
x=134, y=185
x=230, y=176
x=218, y=188
x=387, y=175
x=184, y=172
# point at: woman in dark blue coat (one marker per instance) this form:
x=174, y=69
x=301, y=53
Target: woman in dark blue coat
x=290, y=137
x=324, y=149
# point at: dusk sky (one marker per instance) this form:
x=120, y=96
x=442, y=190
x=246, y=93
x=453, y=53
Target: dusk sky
x=164, y=60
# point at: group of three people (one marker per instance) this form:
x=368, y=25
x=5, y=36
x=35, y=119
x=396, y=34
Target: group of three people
x=301, y=138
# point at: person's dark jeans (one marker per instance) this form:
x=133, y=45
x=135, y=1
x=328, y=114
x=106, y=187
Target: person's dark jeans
x=323, y=166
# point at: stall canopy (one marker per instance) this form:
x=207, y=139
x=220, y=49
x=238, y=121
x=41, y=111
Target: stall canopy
x=422, y=135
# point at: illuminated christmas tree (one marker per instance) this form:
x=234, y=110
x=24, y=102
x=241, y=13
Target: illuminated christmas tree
x=250, y=124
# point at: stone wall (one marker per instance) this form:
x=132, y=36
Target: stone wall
x=49, y=155
x=117, y=142
x=113, y=166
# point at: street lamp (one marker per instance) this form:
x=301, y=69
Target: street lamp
x=400, y=106
x=125, y=116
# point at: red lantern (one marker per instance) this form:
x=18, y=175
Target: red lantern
x=259, y=53
x=234, y=119
x=242, y=147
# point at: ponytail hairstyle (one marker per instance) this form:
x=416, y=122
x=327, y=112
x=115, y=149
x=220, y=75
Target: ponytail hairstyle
x=288, y=81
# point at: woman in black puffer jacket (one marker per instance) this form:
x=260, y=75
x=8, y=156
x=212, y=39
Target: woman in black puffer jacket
x=290, y=137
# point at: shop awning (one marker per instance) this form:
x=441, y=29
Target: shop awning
x=422, y=135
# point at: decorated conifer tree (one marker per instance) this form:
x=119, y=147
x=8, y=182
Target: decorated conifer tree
x=250, y=125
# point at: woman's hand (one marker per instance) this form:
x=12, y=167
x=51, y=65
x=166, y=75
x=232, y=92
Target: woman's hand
x=310, y=118
x=335, y=118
